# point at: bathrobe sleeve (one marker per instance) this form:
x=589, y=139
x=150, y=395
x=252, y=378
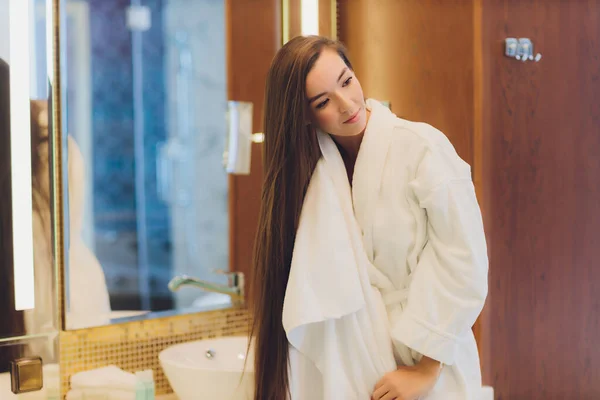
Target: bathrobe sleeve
x=448, y=287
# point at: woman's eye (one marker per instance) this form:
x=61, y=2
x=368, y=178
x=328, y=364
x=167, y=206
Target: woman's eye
x=322, y=104
x=347, y=81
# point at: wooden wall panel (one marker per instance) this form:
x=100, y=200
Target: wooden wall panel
x=254, y=36
x=294, y=18
x=418, y=54
x=541, y=173
x=326, y=7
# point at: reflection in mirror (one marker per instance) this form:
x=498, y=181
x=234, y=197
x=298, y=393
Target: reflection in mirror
x=145, y=102
x=27, y=279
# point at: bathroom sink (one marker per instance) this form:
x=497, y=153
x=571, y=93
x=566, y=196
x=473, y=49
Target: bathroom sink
x=209, y=369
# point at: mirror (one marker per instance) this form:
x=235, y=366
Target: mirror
x=28, y=301
x=152, y=140
x=144, y=100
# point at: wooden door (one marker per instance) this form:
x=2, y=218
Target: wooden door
x=540, y=137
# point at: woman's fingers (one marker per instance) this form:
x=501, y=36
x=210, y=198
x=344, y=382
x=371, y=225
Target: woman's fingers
x=389, y=396
x=379, y=393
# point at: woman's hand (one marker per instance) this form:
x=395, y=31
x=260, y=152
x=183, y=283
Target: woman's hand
x=408, y=383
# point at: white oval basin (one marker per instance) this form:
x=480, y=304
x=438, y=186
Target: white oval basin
x=209, y=369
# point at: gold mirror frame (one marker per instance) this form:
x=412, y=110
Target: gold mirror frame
x=56, y=167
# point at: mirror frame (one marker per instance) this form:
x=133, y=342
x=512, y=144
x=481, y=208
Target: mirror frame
x=57, y=186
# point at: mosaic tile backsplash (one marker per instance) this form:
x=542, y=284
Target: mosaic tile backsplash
x=135, y=346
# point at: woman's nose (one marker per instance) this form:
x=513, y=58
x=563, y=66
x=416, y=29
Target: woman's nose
x=345, y=105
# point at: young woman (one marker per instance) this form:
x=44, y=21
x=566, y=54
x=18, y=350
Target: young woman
x=414, y=204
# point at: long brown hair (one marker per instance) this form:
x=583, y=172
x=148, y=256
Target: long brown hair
x=291, y=152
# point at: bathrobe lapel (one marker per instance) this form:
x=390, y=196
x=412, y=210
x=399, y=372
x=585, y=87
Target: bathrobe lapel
x=368, y=171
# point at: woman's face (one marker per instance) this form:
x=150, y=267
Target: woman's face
x=335, y=96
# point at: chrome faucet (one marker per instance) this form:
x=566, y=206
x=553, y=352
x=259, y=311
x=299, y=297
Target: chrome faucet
x=235, y=288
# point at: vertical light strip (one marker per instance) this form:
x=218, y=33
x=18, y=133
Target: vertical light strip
x=334, y=23
x=49, y=44
x=310, y=17
x=20, y=147
x=285, y=21
x=33, y=87
x=56, y=76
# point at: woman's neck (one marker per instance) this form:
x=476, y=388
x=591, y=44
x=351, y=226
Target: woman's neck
x=350, y=145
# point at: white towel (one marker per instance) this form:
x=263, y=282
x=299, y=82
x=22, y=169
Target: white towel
x=106, y=378
x=334, y=318
x=100, y=394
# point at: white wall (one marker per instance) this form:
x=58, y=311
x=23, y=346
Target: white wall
x=4, y=39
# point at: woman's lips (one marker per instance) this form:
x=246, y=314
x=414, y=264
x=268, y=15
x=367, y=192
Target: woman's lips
x=353, y=118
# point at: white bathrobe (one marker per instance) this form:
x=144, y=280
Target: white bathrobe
x=389, y=270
